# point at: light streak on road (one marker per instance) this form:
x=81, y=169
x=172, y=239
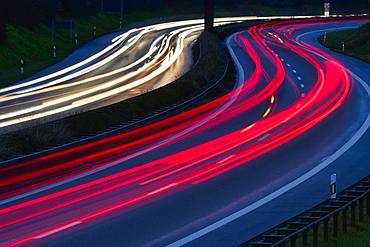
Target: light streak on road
x=92, y=201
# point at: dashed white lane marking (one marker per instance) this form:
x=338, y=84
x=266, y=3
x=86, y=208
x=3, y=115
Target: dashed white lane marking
x=321, y=166
x=299, y=78
x=294, y=71
x=303, y=95
x=226, y=159
x=263, y=137
x=59, y=229
x=162, y=189
x=288, y=64
x=282, y=59
x=302, y=86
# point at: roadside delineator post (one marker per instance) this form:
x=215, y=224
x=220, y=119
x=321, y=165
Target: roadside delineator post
x=94, y=31
x=325, y=34
x=343, y=46
x=327, y=9
x=333, y=186
x=54, y=51
x=76, y=39
x=22, y=66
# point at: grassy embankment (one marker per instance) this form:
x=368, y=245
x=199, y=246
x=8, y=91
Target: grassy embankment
x=356, y=42
x=358, y=236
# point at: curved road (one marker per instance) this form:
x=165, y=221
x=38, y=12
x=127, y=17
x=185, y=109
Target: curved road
x=214, y=175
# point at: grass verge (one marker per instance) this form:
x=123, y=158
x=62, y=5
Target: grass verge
x=357, y=236
x=356, y=42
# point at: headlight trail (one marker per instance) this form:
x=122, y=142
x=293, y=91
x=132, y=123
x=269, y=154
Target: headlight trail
x=77, y=87
x=46, y=92
x=274, y=125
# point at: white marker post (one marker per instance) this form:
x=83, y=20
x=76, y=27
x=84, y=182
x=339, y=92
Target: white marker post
x=54, y=51
x=325, y=34
x=333, y=186
x=76, y=39
x=94, y=31
x=343, y=46
x=327, y=9
x=22, y=66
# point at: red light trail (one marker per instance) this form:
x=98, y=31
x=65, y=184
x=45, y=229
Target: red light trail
x=276, y=125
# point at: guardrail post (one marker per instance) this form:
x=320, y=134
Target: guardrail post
x=335, y=225
x=353, y=214
x=293, y=241
x=304, y=238
x=361, y=210
x=368, y=204
x=315, y=235
x=326, y=230
x=344, y=219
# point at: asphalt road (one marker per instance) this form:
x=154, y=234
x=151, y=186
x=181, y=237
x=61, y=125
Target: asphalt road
x=216, y=175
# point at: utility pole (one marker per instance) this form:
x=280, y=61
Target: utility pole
x=209, y=14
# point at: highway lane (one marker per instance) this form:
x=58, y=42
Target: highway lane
x=350, y=166
x=221, y=195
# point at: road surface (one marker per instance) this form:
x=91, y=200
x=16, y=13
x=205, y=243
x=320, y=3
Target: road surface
x=215, y=175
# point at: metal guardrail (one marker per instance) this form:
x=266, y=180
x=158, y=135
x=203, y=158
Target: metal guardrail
x=344, y=211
